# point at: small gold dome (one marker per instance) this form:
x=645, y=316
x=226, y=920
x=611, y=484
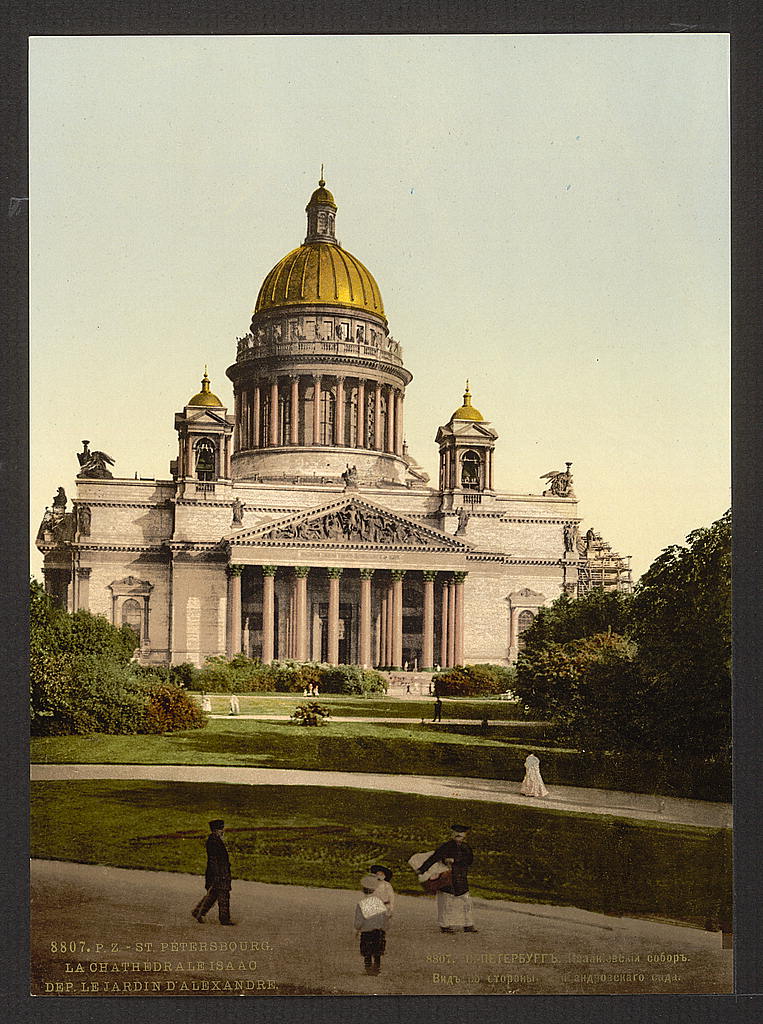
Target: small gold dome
x=320, y=272
x=322, y=195
x=205, y=396
x=467, y=410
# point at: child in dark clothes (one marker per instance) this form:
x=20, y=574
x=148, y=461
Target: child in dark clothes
x=370, y=924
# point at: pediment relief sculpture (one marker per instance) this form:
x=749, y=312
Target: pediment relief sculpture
x=354, y=523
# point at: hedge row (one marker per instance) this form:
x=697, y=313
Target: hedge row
x=474, y=681
x=243, y=675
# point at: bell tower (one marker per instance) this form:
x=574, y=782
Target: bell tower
x=467, y=443
x=205, y=434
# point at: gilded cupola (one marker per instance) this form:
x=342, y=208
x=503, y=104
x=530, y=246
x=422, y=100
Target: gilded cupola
x=205, y=396
x=467, y=410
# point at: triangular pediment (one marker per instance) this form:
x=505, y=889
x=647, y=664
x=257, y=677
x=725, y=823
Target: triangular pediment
x=209, y=415
x=528, y=596
x=353, y=521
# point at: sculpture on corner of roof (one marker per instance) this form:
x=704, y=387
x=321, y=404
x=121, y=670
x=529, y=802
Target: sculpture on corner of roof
x=350, y=477
x=560, y=483
x=93, y=464
x=59, y=501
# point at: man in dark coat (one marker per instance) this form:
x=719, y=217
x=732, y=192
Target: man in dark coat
x=437, y=710
x=217, y=878
x=454, y=904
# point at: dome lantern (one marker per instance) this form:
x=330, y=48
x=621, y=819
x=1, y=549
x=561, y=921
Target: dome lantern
x=321, y=214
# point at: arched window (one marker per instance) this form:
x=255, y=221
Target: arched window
x=328, y=405
x=471, y=471
x=205, y=459
x=132, y=615
x=524, y=621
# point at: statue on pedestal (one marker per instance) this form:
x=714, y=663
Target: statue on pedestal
x=238, y=511
x=560, y=483
x=93, y=464
x=350, y=477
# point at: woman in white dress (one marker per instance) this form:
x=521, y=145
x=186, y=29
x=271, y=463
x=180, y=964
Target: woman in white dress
x=532, y=783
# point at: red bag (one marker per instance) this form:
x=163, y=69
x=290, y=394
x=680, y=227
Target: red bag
x=433, y=885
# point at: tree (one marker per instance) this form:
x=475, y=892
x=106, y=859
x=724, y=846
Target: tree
x=586, y=686
x=598, y=611
x=666, y=686
x=682, y=625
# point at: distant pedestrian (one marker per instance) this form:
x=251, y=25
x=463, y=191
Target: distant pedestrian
x=206, y=703
x=371, y=924
x=384, y=889
x=437, y=709
x=217, y=877
x=235, y=707
x=532, y=784
x=454, y=904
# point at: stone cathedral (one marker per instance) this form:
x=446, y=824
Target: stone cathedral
x=299, y=526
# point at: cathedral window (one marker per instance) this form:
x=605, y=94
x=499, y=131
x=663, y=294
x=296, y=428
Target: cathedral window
x=350, y=420
x=328, y=408
x=471, y=471
x=382, y=427
x=284, y=419
x=205, y=459
x=132, y=615
x=524, y=621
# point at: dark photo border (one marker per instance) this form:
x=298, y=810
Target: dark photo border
x=324, y=17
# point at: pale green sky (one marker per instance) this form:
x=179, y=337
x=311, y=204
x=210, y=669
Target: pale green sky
x=546, y=215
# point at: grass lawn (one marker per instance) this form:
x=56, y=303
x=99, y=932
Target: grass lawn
x=370, y=707
x=343, y=746
x=329, y=837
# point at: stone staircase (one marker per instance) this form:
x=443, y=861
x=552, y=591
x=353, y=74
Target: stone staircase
x=408, y=684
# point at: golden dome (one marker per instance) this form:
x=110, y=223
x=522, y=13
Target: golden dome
x=320, y=272
x=467, y=410
x=205, y=396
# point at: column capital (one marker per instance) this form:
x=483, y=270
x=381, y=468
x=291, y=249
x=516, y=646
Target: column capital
x=459, y=577
x=317, y=377
x=234, y=570
x=334, y=573
x=430, y=575
x=269, y=570
x=301, y=571
x=83, y=574
x=367, y=574
x=340, y=378
x=398, y=574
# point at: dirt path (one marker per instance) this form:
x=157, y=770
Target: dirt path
x=137, y=916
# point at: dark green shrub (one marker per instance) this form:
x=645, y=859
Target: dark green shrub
x=184, y=675
x=289, y=676
x=473, y=681
x=82, y=680
x=351, y=679
x=311, y=713
x=170, y=708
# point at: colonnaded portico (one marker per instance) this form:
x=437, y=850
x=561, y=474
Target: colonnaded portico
x=346, y=614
